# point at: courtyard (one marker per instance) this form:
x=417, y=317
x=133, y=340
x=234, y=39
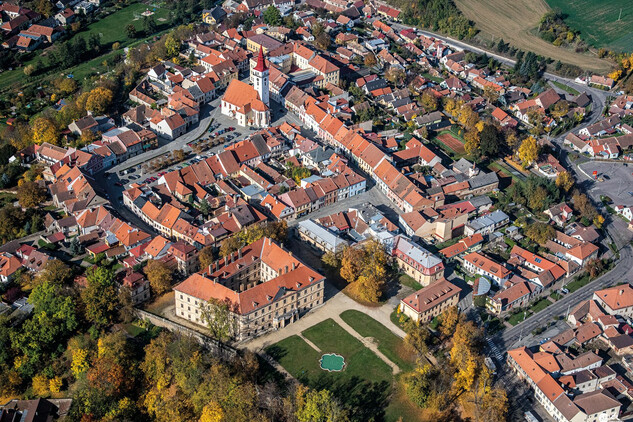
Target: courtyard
x=374, y=358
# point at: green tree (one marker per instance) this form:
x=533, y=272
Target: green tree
x=53, y=320
x=130, y=31
x=220, y=319
x=149, y=25
x=490, y=141
x=99, y=297
x=272, y=16
x=318, y=406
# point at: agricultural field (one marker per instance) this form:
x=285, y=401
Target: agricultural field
x=598, y=21
x=517, y=21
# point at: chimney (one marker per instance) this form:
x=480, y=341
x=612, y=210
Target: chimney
x=293, y=266
x=226, y=260
x=286, y=270
x=239, y=253
x=232, y=257
x=621, y=292
x=215, y=280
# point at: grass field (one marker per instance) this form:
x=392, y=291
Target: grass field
x=409, y=282
x=389, y=344
x=597, y=21
x=516, y=22
x=364, y=385
x=110, y=29
x=565, y=88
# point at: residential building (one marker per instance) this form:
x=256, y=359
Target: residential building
x=430, y=301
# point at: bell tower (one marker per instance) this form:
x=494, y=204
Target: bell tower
x=260, y=78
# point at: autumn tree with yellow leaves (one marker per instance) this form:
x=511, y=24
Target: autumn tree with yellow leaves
x=44, y=130
x=365, y=268
x=528, y=151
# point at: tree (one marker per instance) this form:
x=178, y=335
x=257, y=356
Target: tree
x=429, y=102
x=323, y=41
x=490, y=94
x=56, y=272
x=583, y=205
x=565, y=181
x=490, y=141
x=149, y=25
x=272, y=16
x=472, y=145
x=29, y=69
x=395, y=75
x=419, y=384
x=219, y=317
x=99, y=296
x=53, y=319
x=331, y=259
x=528, y=151
x=448, y=321
x=538, y=199
x=417, y=337
x=317, y=29
x=212, y=412
x=230, y=245
x=318, y=406
x=31, y=194
x=99, y=100
x=370, y=60
x=206, y=257
x=44, y=130
x=351, y=263
x=172, y=46
x=45, y=7
x=540, y=232
x=205, y=207
x=159, y=275
x=130, y=31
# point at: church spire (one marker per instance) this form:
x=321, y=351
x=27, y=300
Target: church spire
x=261, y=63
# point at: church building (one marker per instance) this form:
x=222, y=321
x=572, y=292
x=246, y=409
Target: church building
x=249, y=104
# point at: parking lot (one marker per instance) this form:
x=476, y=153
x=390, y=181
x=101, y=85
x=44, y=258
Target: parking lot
x=614, y=180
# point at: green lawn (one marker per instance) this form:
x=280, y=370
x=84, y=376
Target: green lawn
x=364, y=385
x=518, y=317
x=432, y=78
x=110, y=29
x=578, y=283
x=297, y=357
x=565, y=88
x=389, y=344
x=540, y=305
x=408, y=281
x=599, y=22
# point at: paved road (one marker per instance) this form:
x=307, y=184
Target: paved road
x=599, y=96
x=514, y=337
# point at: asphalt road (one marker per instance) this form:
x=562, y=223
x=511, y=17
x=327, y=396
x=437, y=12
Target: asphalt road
x=512, y=337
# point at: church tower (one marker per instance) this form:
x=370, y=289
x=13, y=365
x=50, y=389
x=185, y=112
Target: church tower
x=260, y=78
